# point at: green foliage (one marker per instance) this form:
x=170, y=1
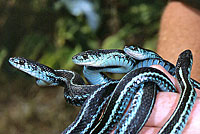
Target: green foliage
x=114, y=41
x=31, y=45
x=3, y=54
x=48, y=32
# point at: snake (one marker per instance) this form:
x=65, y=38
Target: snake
x=145, y=54
x=75, y=90
x=91, y=109
x=117, y=61
x=178, y=119
x=140, y=53
x=148, y=58
x=97, y=61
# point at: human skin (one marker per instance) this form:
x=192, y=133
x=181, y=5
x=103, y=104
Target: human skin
x=165, y=104
x=179, y=30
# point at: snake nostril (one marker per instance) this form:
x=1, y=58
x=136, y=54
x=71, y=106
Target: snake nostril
x=10, y=59
x=74, y=57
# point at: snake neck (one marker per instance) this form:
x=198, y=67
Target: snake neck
x=67, y=78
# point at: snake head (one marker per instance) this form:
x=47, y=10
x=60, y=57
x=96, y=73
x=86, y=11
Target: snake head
x=134, y=52
x=45, y=76
x=102, y=58
x=87, y=58
x=140, y=53
x=29, y=66
x=17, y=62
x=184, y=62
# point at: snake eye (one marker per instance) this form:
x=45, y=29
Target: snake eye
x=132, y=48
x=17, y=61
x=135, y=48
x=21, y=62
x=85, y=56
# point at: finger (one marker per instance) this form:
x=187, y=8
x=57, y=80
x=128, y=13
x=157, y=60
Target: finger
x=175, y=82
x=155, y=130
x=165, y=104
x=198, y=92
x=149, y=130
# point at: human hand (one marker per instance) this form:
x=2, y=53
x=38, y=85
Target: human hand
x=165, y=104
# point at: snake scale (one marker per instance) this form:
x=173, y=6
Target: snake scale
x=118, y=106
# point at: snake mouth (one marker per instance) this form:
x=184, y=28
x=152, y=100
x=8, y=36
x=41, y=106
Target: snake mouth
x=82, y=62
x=87, y=63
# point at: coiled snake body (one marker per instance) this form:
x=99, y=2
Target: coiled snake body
x=105, y=102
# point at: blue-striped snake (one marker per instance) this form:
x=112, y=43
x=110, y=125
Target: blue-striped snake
x=105, y=102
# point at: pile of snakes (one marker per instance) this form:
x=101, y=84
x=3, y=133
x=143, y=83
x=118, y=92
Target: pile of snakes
x=118, y=106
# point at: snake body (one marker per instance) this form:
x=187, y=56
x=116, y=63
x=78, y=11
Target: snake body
x=147, y=58
x=126, y=89
x=155, y=60
x=91, y=110
x=105, y=103
x=178, y=119
x=92, y=68
x=71, y=95
x=75, y=92
x=188, y=94
x=97, y=61
x=139, y=110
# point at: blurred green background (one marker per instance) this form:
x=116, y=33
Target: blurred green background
x=51, y=32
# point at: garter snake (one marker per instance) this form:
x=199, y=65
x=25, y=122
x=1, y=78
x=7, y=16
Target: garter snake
x=77, y=92
x=95, y=61
x=140, y=53
x=148, y=57
x=143, y=55
x=98, y=94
